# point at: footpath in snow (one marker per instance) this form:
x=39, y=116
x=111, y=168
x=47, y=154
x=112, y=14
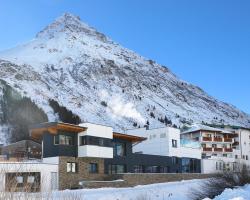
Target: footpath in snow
x=161, y=191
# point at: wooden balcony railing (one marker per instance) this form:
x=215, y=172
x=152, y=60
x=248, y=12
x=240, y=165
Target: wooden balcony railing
x=206, y=138
x=228, y=150
x=217, y=139
x=228, y=140
x=207, y=148
x=218, y=149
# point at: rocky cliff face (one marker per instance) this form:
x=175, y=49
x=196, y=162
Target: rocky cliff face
x=102, y=82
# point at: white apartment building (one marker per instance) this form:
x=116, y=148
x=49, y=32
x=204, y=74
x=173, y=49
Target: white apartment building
x=241, y=145
x=165, y=141
x=217, y=149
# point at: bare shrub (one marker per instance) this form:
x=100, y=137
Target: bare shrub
x=216, y=185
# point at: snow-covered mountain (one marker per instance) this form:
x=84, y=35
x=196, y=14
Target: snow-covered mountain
x=103, y=82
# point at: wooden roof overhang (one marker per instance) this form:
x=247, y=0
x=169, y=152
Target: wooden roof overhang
x=38, y=130
x=131, y=138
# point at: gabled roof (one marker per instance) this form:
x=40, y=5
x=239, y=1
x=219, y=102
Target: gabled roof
x=201, y=127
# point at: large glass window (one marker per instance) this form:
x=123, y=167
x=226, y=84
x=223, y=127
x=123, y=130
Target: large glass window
x=116, y=169
x=152, y=169
x=93, y=168
x=97, y=141
x=119, y=149
x=138, y=169
x=63, y=140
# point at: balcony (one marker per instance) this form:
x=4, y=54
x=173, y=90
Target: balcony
x=228, y=150
x=228, y=140
x=207, y=149
x=207, y=139
x=217, y=139
x=218, y=149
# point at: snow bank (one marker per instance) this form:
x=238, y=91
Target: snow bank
x=161, y=191
x=242, y=193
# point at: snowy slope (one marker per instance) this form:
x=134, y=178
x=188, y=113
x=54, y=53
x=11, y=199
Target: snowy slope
x=81, y=69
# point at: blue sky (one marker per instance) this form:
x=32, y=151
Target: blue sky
x=205, y=42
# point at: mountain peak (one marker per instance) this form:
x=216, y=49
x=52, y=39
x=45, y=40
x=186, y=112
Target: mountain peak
x=67, y=23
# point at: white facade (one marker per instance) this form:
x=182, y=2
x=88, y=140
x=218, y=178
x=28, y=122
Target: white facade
x=48, y=172
x=163, y=141
x=223, y=149
x=216, y=165
x=241, y=146
x=91, y=150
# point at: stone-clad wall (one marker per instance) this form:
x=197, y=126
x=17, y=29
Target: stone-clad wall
x=69, y=180
x=131, y=180
x=144, y=179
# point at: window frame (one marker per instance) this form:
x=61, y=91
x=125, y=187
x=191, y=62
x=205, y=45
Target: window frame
x=91, y=169
x=174, y=143
x=72, y=165
x=66, y=138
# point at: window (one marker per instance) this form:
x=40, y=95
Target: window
x=93, y=168
x=174, y=160
x=138, y=169
x=63, y=140
x=119, y=149
x=164, y=169
x=71, y=167
x=236, y=156
x=31, y=179
x=97, y=141
x=246, y=157
x=174, y=143
x=152, y=169
x=116, y=169
x=19, y=179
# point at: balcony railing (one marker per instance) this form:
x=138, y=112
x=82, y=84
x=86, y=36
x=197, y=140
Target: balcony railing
x=228, y=150
x=218, y=149
x=217, y=139
x=207, y=148
x=228, y=140
x=206, y=138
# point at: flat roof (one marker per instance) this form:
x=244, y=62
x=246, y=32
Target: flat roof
x=131, y=138
x=37, y=130
x=201, y=127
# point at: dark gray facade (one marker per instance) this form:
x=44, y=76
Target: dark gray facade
x=129, y=162
x=50, y=149
x=151, y=163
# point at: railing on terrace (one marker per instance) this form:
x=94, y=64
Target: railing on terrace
x=218, y=149
x=228, y=150
x=206, y=138
x=207, y=148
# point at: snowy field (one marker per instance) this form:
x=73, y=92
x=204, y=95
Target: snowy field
x=161, y=191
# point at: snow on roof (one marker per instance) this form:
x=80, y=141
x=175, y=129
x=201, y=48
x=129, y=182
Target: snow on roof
x=199, y=127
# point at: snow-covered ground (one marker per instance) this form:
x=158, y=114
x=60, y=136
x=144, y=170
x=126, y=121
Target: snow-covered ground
x=161, y=191
x=242, y=193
